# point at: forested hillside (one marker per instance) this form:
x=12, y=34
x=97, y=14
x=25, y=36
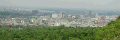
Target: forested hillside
x=108, y=32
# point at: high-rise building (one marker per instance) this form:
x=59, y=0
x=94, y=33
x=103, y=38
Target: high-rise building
x=92, y=15
x=65, y=16
x=96, y=15
x=60, y=15
x=54, y=15
x=35, y=11
x=98, y=19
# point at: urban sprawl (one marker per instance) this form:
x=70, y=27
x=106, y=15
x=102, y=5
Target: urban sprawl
x=54, y=18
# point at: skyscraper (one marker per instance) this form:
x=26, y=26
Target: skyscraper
x=96, y=15
x=60, y=15
x=91, y=14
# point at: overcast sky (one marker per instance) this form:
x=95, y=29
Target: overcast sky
x=63, y=3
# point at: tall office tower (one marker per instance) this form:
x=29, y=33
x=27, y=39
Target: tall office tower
x=60, y=15
x=54, y=15
x=96, y=15
x=92, y=15
x=98, y=19
x=35, y=11
x=65, y=16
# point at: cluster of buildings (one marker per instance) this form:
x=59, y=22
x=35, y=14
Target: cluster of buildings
x=59, y=18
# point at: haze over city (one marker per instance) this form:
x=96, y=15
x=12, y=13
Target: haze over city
x=62, y=3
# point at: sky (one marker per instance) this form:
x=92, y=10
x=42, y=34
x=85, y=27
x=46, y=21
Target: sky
x=62, y=3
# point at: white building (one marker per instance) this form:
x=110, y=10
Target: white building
x=54, y=15
x=73, y=17
x=57, y=24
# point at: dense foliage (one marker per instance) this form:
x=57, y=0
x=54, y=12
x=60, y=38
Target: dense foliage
x=108, y=32
x=45, y=33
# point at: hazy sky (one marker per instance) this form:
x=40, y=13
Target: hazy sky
x=63, y=3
